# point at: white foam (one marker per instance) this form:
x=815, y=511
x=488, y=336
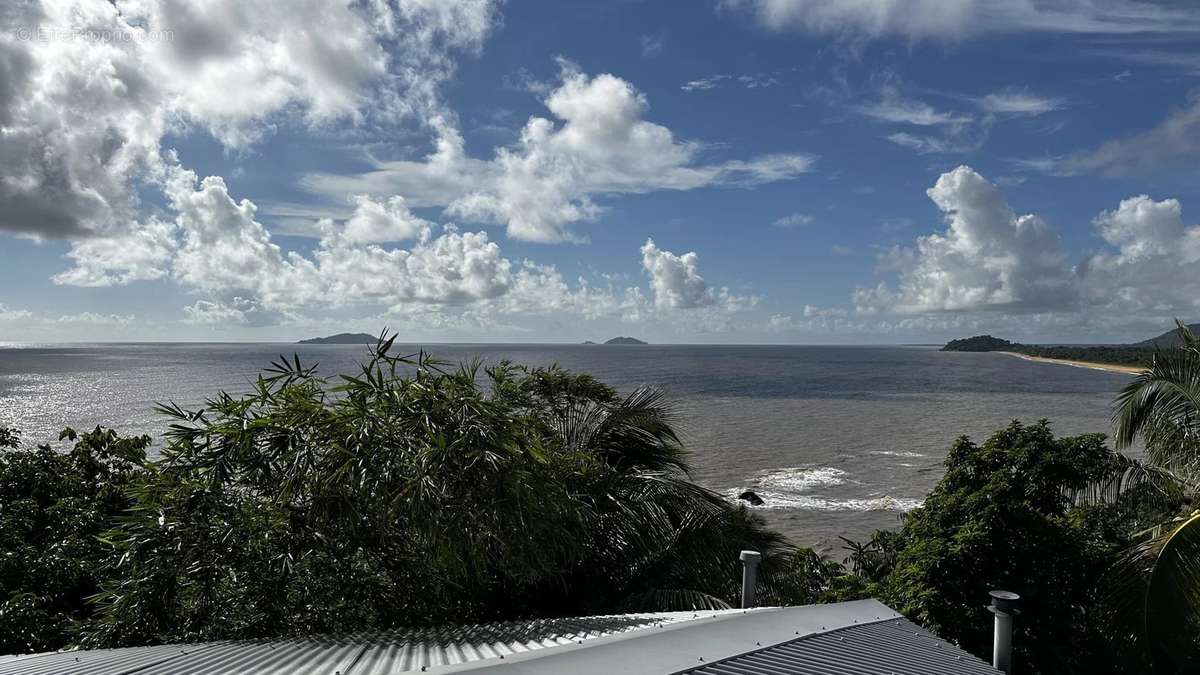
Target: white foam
x=896, y=453
x=790, y=488
x=800, y=479
x=777, y=500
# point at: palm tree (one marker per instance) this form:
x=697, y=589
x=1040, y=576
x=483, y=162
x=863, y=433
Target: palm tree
x=659, y=541
x=1161, y=407
x=412, y=492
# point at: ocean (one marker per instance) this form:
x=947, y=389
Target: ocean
x=839, y=441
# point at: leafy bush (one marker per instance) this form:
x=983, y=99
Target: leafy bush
x=411, y=493
x=1006, y=516
x=54, y=505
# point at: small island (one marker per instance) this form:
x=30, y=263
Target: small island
x=625, y=341
x=342, y=339
x=979, y=343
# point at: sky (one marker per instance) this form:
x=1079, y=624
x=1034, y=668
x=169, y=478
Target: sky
x=712, y=171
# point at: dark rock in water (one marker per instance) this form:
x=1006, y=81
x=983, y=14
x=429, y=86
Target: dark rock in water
x=752, y=497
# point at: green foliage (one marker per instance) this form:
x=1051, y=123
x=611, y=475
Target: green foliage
x=53, y=507
x=413, y=493
x=1004, y=517
x=1131, y=355
x=1159, y=585
x=979, y=343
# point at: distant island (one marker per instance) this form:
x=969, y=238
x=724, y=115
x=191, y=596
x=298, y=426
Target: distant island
x=343, y=339
x=1121, y=357
x=625, y=341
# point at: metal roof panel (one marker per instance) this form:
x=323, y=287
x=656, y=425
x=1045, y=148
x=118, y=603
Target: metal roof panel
x=836, y=639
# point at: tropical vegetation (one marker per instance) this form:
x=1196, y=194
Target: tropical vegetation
x=409, y=493
x=413, y=492
x=1139, y=354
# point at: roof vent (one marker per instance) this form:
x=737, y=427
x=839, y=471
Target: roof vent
x=750, y=560
x=1004, y=607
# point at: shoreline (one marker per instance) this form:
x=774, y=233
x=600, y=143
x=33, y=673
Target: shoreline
x=1106, y=367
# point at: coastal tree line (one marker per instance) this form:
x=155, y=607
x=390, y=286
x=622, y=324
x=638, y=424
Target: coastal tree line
x=1125, y=355
x=415, y=493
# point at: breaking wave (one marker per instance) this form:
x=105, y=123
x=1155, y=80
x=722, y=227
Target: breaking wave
x=896, y=453
x=790, y=489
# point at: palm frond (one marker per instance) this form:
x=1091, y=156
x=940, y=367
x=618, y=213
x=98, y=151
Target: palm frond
x=1162, y=406
x=672, y=600
x=1156, y=594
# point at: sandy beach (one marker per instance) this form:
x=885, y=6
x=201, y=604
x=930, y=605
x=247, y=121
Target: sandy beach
x=1112, y=368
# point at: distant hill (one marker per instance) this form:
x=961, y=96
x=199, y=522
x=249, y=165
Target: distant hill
x=979, y=343
x=1167, y=339
x=342, y=339
x=625, y=341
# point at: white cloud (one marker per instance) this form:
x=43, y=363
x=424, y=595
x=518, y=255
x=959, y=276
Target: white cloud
x=958, y=19
x=990, y=261
x=141, y=253
x=97, y=319
x=943, y=132
x=704, y=83
x=1155, y=269
x=598, y=144
x=382, y=221
x=794, y=220
x=1175, y=141
x=676, y=282
x=1019, y=102
x=652, y=45
x=841, y=249
x=237, y=311
x=988, y=258
x=85, y=118
x=895, y=108
x=10, y=314
x=24, y=319
x=217, y=248
x=675, y=279
x=954, y=139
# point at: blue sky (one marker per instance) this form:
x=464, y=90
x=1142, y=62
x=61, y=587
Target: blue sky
x=779, y=171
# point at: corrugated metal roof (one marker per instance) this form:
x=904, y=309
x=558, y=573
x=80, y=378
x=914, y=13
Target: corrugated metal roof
x=367, y=653
x=859, y=637
x=898, y=647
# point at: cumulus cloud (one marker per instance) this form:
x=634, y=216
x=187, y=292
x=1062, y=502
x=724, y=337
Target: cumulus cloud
x=140, y=253
x=1156, y=263
x=958, y=19
x=380, y=221
x=24, y=319
x=991, y=261
x=676, y=282
x=226, y=252
x=598, y=143
x=85, y=118
x=675, y=279
x=987, y=258
x=217, y=248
